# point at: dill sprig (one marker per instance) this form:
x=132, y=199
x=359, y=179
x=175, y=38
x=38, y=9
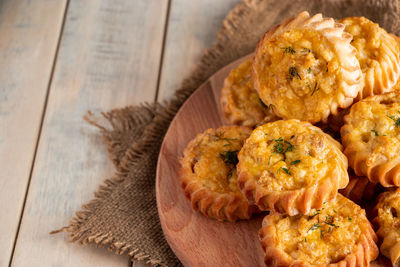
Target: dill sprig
x=294, y=162
x=316, y=88
x=280, y=148
x=396, y=120
x=220, y=136
x=293, y=73
x=285, y=170
x=314, y=227
x=376, y=132
x=288, y=50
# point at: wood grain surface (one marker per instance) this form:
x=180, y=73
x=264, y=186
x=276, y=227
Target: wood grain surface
x=192, y=27
x=105, y=61
x=29, y=36
x=195, y=239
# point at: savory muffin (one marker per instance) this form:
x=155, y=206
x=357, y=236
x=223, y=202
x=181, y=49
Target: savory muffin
x=388, y=221
x=307, y=69
x=240, y=102
x=338, y=234
x=378, y=53
x=371, y=138
x=291, y=167
x=208, y=173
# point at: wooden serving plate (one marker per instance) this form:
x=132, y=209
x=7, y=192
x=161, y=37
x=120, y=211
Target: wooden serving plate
x=195, y=239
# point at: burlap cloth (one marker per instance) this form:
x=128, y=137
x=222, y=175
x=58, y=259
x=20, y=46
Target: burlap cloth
x=123, y=215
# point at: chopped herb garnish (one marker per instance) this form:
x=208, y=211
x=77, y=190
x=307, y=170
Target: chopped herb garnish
x=305, y=50
x=329, y=221
x=309, y=70
x=262, y=103
x=230, y=157
x=396, y=120
x=289, y=147
x=315, y=214
x=288, y=49
x=294, y=162
x=315, y=88
x=293, y=73
x=309, y=86
x=305, y=239
x=350, y=219
x=376, y=132
x=284, y=169
x=228, y=140
x=322, y=233
x=314, y=227
x=280, y=148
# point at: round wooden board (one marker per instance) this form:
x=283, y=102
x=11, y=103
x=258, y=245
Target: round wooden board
x=195, y=239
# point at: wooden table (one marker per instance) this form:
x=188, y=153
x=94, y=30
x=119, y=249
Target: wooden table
x=58, y=59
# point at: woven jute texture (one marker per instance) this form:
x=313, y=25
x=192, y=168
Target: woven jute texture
x=123, y=215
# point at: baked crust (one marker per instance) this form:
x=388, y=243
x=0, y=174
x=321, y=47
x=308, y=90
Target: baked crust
x=307, y=69
x=359, y=189
x=291, y=167
x=388, y=222
x=371, y=137
x=339, y=234
x=240, y=102
x=378, y=53
x=208, y=174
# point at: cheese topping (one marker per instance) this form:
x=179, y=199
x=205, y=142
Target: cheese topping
x=300, y=74
x=327, y=236
x=367, y=39
x=375, y=128
x=214, y=157
x=240, y=100
x=377, y=52
x=289, y=155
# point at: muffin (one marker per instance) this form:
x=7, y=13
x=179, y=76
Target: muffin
x=291, y=167
x=338, y=234
x=307, y=69
x=371, y=138
x=209, y=177
x=378, y=53
x=240, y=102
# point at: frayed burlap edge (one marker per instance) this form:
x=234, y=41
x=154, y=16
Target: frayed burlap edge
x=152, y=121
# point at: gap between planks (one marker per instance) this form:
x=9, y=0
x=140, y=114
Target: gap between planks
x=40, y=129
x=164, y=41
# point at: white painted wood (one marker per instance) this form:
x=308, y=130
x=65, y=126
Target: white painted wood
x=29, y=34
x=109, y=57
x=192, y=28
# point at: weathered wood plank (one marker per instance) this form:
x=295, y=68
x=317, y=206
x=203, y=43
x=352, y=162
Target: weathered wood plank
x=109, y=57
x=29, y=35
x=192, y=28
